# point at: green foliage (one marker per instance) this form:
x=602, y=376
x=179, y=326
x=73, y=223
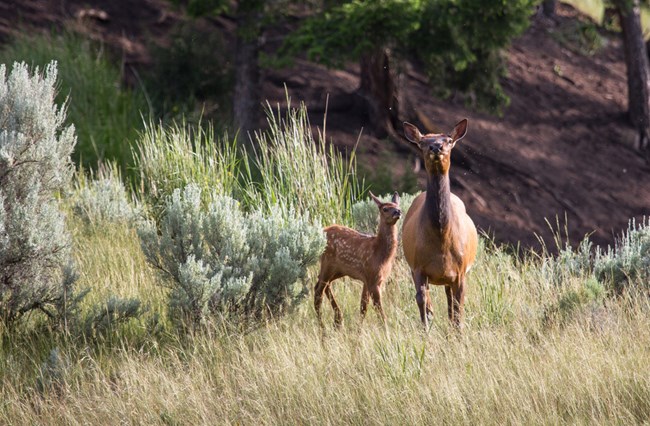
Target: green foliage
x=581, y=37
x=569, y=263
x=293, y=169
x=105, y=316
x=288, y=167
x=203, y=7
x=192, y=72
x=588, y=293
x=35, y=165
x=171, y=157
x=381, y=178
x=347, y=30
x=459, y=41
x=626, y=266
x=101, y=197
x=224, y=261
x=107, y=117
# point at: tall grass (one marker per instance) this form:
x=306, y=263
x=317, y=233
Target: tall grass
x=169, y=157
x=292, y=168
x=107, y=116
x=504, y=369
x=286, y=168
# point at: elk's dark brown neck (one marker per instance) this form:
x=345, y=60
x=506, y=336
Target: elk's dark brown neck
x=438, y=201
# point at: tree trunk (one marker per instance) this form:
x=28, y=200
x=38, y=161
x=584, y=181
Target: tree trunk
x=246, y=97
x=247, y=86
x=548, y=8
x=379, y=91
x=638, y=71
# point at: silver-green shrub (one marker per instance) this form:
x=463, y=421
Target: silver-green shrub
x=34, y=167
x=225, y=261
x=102, y=197
x=364, y=213
x=569, y=263
x=627, y=264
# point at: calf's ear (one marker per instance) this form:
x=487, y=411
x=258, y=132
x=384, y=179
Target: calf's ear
x=375, y=199
x=395, y=198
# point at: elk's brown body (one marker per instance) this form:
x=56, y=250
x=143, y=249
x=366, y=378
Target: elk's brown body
x=439, y=238
x=368, y=258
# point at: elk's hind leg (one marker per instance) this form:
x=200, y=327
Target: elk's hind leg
x=375, y=293
x=459, y=302
x=338, y=316
x=320, y=287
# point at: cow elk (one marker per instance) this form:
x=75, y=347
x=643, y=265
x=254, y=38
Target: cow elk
x=438, y=236
x=368, y=258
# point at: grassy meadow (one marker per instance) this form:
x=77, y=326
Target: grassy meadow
x=515, y=362
x=559, y=338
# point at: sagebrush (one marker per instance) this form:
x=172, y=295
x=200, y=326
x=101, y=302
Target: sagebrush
x=224, y=261
x=35, y=266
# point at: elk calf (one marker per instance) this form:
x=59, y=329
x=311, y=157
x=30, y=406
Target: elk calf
x=368, y=258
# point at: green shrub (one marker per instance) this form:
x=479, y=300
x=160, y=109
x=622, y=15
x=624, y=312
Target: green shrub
x=107, y=116
x=626, y=266
x=569, y=263
x=101, y=197
x=192, y=70
x=105, y=316
x=381, y=177
x=224, y=261
x=580, y=37
x=458, y=41
x=584, y=294
x=35, y=165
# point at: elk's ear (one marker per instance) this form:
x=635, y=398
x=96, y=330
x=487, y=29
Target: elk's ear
x=460, y=130
x=412, y=133
x=395, y=199
x=375, y=199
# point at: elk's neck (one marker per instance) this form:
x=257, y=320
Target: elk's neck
x=438, y=201
x=387, y=238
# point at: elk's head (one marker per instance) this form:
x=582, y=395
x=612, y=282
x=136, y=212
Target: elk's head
x=436, y=147
x=390, y=212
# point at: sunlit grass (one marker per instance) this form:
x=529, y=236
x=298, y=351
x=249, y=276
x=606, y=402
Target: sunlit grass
x=595, y=9
x=508, y=366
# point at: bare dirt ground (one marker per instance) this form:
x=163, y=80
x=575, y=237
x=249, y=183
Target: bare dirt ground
x=562, y=147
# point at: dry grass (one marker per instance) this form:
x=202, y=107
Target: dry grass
x=509, y=366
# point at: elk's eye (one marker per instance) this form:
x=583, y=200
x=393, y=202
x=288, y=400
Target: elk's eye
x=385, y=209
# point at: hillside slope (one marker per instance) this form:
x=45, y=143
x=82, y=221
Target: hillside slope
x=561, y=147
